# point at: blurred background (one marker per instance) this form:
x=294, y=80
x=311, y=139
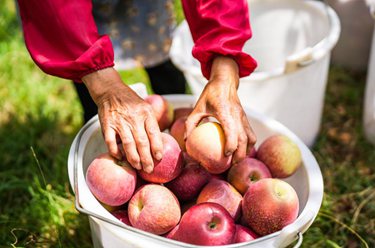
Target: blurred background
x=40, y=115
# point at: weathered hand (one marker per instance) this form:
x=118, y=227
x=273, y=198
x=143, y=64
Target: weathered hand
x=219, y=99
x=125, y=116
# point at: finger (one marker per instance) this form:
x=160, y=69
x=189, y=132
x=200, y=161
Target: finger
x=143, y=147
x=192, y=122
x=110, y=139
x=154, y=135
x=251, y=137
x=231, y=135
x=240, y=153
x=129, y=146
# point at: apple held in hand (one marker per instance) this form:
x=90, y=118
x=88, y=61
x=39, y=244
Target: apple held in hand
x=189, y=183
x=205, y=144
x=281, y=155
x=110, y=181
x=163, y=110
x=221, y=192
x=205, y=224
x=170, y=166
x=246, y=172
x=269, y=205
x=154, y=209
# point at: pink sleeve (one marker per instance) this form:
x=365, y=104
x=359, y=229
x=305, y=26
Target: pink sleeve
x=219, y=27
x=62, y=37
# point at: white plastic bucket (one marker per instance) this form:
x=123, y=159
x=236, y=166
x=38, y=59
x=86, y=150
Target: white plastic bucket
x=292, y=41
x=109, y=232
x=353, y=47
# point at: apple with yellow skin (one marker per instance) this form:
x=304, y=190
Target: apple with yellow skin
x=281, y=155
x=206, y=144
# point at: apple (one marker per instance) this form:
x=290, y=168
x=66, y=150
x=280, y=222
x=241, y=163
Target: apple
x=170, y=166
x=154, y=209
x=177, y=130
x=269, y=205
x=122, y=215
x=281, y=155
x=112, y=182
x=221, y=192
x=189, y=183
x=182, y=112
x=253, y=152
x=188, y=159
x=172, y=232
x=246, y=172
x=205, y=224
x=243, y=234
x=206, y=145
x=162, y=109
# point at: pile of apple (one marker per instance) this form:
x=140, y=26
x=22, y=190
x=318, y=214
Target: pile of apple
x=194, y=194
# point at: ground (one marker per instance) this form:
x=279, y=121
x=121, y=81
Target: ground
x=40, y=115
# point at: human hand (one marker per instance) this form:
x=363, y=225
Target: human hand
x=124, y=116
x=219, y=99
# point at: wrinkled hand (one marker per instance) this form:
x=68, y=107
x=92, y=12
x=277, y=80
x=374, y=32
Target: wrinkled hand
x=125, y=116
x=219, y=99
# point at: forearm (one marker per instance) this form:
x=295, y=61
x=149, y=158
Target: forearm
x=225, y=70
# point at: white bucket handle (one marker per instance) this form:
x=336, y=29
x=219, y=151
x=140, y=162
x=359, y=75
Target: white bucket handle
x=309, y=55
x=291, y=232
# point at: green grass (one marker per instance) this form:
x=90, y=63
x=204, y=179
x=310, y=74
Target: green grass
x=40, y=115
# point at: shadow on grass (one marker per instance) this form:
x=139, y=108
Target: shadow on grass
x=36, y=206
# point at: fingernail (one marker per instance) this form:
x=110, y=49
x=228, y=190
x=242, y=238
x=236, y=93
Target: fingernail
x=148, y=169
x=158, y=156
x=138, y=166
x=227, y=154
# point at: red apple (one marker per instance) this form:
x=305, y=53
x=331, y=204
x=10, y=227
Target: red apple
x=110, y=181
x=253, y=152
x=178, y=131
x=155, y=209
x=221, y=192
x=170, y=166
x=206, y=224
x=246, y=172
x=181, y=112
x=243, y=234
x=281, y=155
x=122, y=215
x=189, y=183
x=206, y=145
x=163, y=110
x=269, y=205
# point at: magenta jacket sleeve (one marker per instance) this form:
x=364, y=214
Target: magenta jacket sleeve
x=62, y=37
x=219, y=27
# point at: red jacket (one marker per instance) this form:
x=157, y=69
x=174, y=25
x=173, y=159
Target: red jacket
x=62, y=37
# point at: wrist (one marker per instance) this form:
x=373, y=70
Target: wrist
x=100, y=82
x=225, y=69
